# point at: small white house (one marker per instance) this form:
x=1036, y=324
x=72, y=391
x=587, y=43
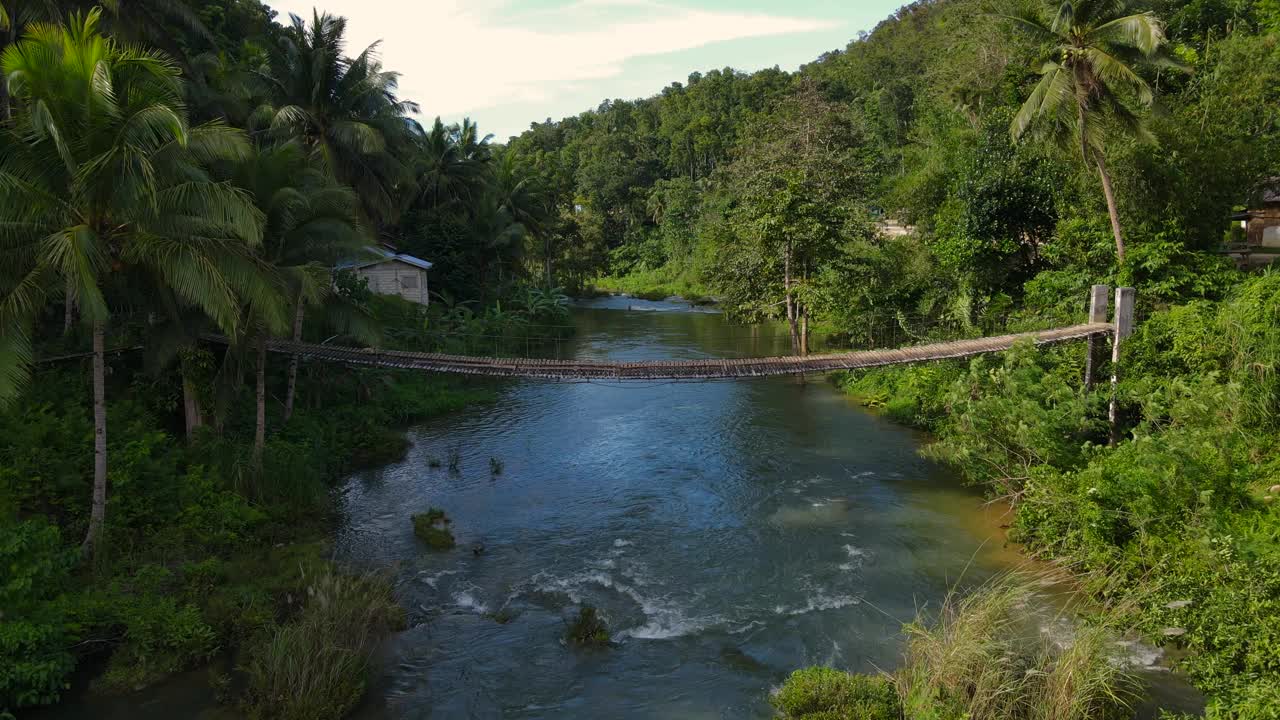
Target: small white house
x=393, y=273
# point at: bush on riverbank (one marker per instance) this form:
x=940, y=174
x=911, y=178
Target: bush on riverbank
x=1173, y=516
x=658, y=284
x=203, y=555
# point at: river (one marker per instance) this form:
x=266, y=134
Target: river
x=729, y=532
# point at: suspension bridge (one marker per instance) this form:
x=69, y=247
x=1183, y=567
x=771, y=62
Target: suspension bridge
x=716, y=369
x=1096, y=327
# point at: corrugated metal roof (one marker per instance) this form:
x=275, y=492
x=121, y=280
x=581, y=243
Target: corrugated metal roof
x=381, y=255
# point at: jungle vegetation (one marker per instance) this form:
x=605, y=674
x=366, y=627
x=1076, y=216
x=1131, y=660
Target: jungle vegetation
x=170, y=170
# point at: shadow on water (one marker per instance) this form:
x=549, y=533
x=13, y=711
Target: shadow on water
x=729, y=532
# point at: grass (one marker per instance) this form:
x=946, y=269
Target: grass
x=976, y=658
x=979, y=659
x=495, y=466
x=820, y=693
x=432, y=528
x=315, y=667
x=587, y=629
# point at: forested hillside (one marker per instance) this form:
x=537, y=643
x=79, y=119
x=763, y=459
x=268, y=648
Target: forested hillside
x=687, y=190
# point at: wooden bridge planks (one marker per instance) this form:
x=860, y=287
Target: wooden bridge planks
x=677, y=369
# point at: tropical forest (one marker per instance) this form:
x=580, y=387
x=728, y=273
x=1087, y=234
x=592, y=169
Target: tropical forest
x=934, y=378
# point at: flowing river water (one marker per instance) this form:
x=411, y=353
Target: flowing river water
x=729, y=532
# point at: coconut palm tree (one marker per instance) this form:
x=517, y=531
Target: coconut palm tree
x=451, y=165
x=103, y=189
x=345, y=110
x=1089, y=79
x=311, y=223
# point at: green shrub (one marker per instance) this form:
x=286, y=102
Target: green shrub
x=36, y=629
x=161, y=636
x=431, y=527
x=1008, y=416
x=821, y=693
x=587, y=629
x=315, y=667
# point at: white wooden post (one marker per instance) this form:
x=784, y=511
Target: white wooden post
x=1099, y=304
x=1123, y=329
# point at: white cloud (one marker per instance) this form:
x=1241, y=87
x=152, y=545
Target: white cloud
x=460, y=57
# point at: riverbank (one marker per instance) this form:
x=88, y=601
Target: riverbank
x=208, y=560
x=658, y=284
x=1175, y=527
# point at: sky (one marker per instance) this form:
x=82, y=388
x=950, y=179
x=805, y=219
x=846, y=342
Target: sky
x=508, y=63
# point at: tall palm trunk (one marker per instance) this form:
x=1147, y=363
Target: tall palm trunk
x=292, y=389
x=1112, y=210
x=1101, y=163
x=98, y=512
x=260, y=430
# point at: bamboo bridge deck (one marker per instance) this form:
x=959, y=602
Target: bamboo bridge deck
x=703, y=369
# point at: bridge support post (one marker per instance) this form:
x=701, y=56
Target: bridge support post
x=1123, y=329
x=1099, y=304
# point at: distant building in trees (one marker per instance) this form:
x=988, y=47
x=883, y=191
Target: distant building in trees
x=391, y=273
x=1262, y=222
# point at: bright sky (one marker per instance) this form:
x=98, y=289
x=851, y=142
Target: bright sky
x=507, y=63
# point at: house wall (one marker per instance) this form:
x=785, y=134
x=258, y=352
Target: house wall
x=1264, y=227
x=397, y=278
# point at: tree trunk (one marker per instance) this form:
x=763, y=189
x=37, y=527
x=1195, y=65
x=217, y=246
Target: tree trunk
x=292, y=388
x=99, y=510
x=68, y=306
x=804, y=331
x=191, y=410
x=790, y=302
x=260, y=430
x=1112, y=210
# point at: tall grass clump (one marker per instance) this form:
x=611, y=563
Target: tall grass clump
x=979, y=659
x=315, y=667
x=821, y=693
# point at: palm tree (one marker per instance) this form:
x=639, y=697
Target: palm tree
x=1089, y=79
x=451, y=165
x=345, y=110
x=103, y=188
x=310, y=224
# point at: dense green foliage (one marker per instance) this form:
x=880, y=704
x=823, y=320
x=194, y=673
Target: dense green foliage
x=1178, y=520
x=655, y=194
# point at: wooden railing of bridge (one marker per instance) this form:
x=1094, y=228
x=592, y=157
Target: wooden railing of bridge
x=702, y=369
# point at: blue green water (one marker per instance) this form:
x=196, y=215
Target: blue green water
x=729, y=532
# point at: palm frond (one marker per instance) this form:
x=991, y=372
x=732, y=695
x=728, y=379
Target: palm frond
x=1142, y=31
x=1046, y=100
